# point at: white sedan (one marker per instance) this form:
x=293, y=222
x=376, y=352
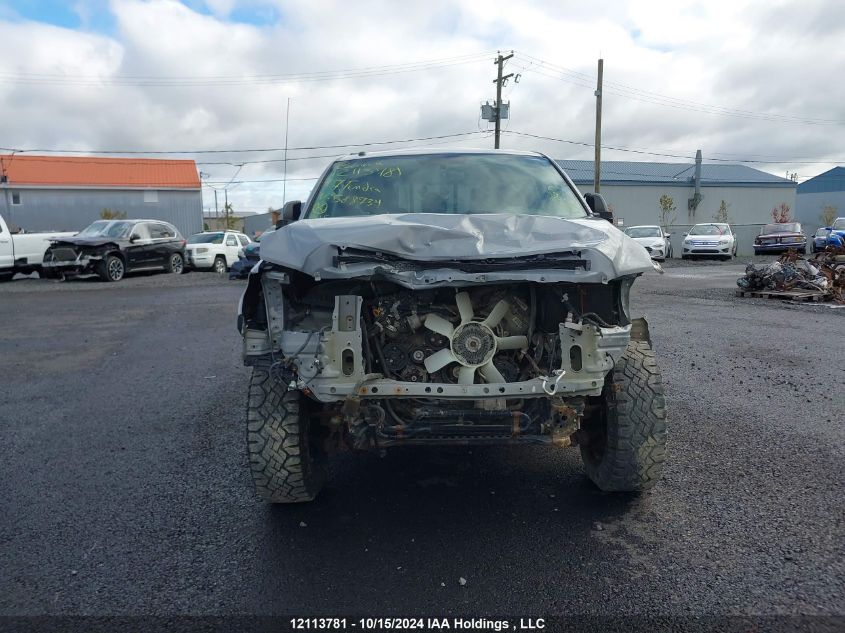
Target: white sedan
x=653, y=238
x=709, y=240
x=215, y=250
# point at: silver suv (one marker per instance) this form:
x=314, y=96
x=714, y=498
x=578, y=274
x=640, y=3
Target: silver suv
x=462, y=297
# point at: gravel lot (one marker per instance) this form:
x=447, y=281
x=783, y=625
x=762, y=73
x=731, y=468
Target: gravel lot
x=125, y=486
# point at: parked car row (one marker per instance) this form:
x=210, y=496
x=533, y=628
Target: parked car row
x=717, y=239
x=708, y=239
x=113, y=248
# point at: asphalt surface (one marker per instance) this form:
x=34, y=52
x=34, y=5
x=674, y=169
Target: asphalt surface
x=125, y=489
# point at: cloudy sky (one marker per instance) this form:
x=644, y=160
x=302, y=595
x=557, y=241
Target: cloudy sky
x=742, y=81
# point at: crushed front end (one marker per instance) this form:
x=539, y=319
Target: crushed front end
x=398, y=351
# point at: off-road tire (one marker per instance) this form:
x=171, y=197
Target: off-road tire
x=109, y=271
x=285, y=467
x=625, y=445
x=220, y=270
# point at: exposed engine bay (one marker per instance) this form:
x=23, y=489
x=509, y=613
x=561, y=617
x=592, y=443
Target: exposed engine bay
x=395, y=365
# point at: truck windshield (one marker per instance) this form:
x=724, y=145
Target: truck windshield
x=107, y=228
x=445, y=183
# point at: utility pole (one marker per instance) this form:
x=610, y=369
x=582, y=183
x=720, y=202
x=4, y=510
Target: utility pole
x=500, y=62
x=285, y=177
x=597, y=182
x=226, y=208
x=216, y=210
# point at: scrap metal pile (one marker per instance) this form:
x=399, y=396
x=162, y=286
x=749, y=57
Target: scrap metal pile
x=824, y=273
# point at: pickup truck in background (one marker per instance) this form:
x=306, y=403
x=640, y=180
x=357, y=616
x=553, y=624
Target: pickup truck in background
x=23, y=252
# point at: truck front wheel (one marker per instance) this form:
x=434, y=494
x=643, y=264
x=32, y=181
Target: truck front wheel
x=623, y=439
x=286, y=465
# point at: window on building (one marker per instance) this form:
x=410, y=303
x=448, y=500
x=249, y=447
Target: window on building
x=150, y=195
x=16, y=197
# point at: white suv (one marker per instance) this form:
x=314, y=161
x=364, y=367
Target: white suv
x=215, y=250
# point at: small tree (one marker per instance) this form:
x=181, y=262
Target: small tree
x=667, y=210
x=722, y=213
x=230, y=218
x=108, y=214
x=828, y=214
x=781, y=213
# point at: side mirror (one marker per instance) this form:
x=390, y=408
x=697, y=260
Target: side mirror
x=686, y=234
x=598, y=206
x=668, y=234
x=134, y=237
x=290, y=213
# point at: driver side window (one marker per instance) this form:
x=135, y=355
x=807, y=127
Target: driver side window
x=142, y=230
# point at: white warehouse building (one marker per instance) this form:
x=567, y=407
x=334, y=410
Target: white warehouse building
x=633, y=190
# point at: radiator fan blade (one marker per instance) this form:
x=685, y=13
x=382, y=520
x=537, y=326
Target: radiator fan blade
x=497, y=314
x=466, y=376
x=491, y=374
x=437, y=323
x=439, y=360
x=464, y=307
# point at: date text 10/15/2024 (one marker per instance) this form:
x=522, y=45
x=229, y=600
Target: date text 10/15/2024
x=419, y=624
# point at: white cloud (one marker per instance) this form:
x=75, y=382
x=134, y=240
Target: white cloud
x=755, y=56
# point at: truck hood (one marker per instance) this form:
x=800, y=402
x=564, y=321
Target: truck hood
x=432, y=246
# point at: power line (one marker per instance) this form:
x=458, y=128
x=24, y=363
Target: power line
x=237, y=151
x=445, y=138
x=631, y=92
x=672, y=155
x=215, y=80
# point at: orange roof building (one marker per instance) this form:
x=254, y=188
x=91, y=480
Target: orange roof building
x=70, y=192
x=90, y=172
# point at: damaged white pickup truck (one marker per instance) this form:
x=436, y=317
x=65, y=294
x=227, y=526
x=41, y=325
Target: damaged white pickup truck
x=435, y=298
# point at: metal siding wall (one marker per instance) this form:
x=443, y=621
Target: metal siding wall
x=258, y=222
x=809, y=207
x=638, y=204
x=74, y=209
